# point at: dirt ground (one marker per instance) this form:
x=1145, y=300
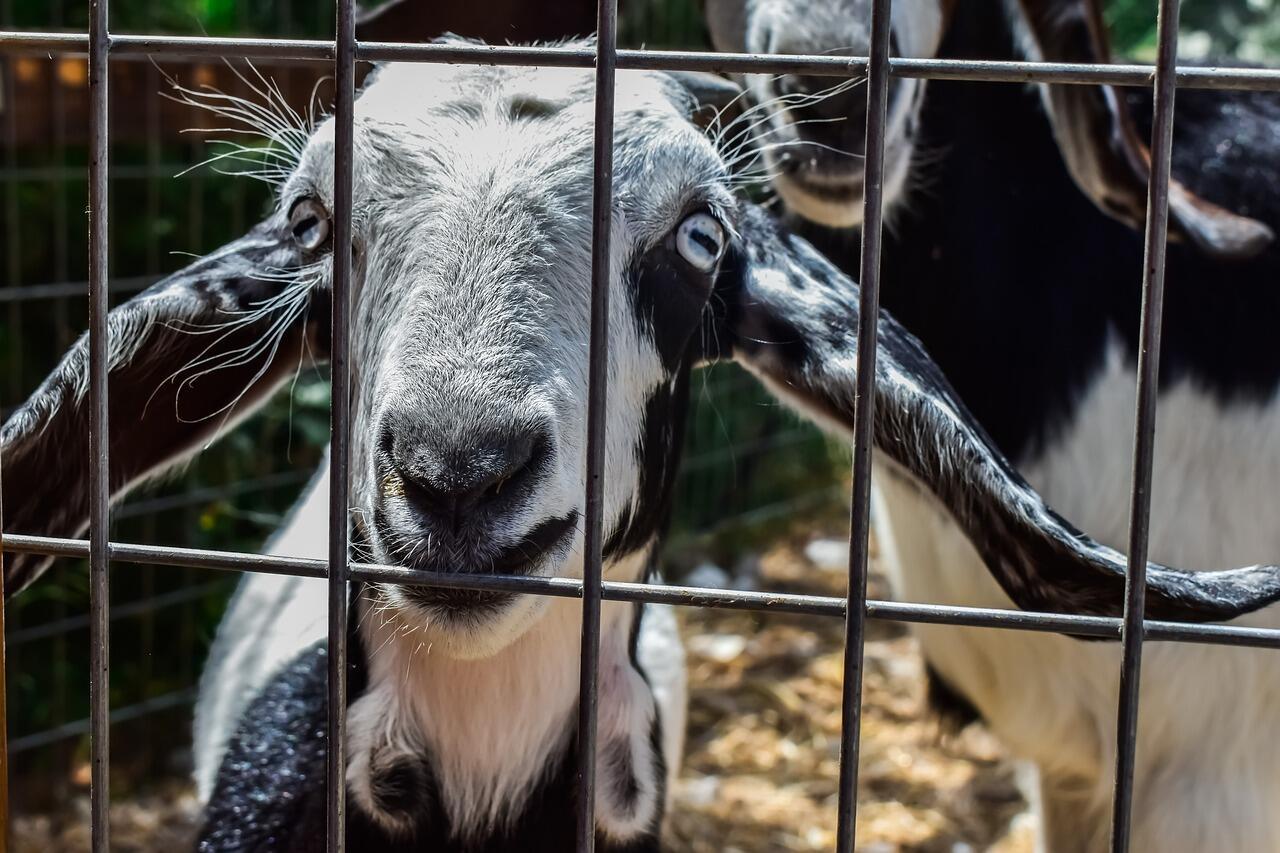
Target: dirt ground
x=761, y=765
x=762, y=753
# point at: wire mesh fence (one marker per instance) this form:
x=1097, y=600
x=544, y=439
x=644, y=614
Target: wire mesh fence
x=55, y=176
x=735, y=489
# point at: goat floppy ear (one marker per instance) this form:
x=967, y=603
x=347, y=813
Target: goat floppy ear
x=188, y=357
x=791, y=318
x=1101, y=146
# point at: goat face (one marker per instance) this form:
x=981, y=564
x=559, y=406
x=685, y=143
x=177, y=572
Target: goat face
x=813, y=129
x=472, y=303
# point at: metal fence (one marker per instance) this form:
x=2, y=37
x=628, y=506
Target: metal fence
x=343, y=52
x=735, y=488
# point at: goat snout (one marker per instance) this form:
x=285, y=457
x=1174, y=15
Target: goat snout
x=827, y=118
x=450, y=486
x=825, y=112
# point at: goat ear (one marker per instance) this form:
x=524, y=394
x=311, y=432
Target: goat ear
x=188, y=357
x=1101, y=146
x=790, y=317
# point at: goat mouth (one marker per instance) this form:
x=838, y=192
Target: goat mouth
x=828, y=185
x=547, y=542
x=830, y=175
x=831, y=194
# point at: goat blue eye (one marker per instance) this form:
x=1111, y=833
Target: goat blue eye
x=700, y=241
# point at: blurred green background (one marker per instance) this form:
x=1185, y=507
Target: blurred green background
x=752, y=471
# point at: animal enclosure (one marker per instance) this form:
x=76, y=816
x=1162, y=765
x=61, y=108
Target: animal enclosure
x=749, y=466
x=878, y=68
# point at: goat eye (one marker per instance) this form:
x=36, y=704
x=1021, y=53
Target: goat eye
x=309, y=222
x=700, y=241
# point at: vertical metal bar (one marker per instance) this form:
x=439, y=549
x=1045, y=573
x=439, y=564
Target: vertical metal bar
x=340, y=458
x=601, y=226
x=1144, y=439
x=151, y=181
x=863, y=411
x=11, y=248
x=62, y=341
x=99, y=485
x=13, y=234
x=4, y=704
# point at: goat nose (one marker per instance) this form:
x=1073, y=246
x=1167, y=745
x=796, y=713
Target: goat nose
x=448, y=486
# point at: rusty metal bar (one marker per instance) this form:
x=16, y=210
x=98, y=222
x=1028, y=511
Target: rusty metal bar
x=996, y=71
x=78, y=728
x=99, y=444
x=863, y=414
x=1100, y=627
x=340, y=443
x=597, y=391
x=5, y=829
x=1144, y=440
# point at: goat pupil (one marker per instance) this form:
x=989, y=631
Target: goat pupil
x=303, y=230
x=706, y=241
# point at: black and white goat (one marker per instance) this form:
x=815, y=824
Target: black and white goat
x=472, y=242
x=1014, y=254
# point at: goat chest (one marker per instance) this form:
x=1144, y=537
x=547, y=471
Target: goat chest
x=270, y=792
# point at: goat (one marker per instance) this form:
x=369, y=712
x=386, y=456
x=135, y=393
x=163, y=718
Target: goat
x=1014, y=255
x=468, y=359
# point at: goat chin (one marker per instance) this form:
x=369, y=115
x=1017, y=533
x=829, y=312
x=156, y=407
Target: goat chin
x=837, y=212
x=830, y=212
x=463, y=636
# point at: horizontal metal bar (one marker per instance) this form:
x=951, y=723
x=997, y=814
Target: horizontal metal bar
x=72, y=289
x=77, y=728
x=155, y=45
x=75, y=174
x=1191, y=77
x=1102, y=627
x=194, y=497
x=118, y=612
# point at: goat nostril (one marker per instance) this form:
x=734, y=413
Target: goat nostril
x=525, y=457
x=494, y=492
x=421, y=493
x=445, y=488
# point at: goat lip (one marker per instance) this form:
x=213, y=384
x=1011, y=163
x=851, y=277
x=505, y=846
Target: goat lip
x=826, y=185
x=826, y=176
x=470, y=603
x=528, y=556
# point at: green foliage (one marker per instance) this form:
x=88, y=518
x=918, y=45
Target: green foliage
x=666, y=24
x=184, y=17
x=1247, y=30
